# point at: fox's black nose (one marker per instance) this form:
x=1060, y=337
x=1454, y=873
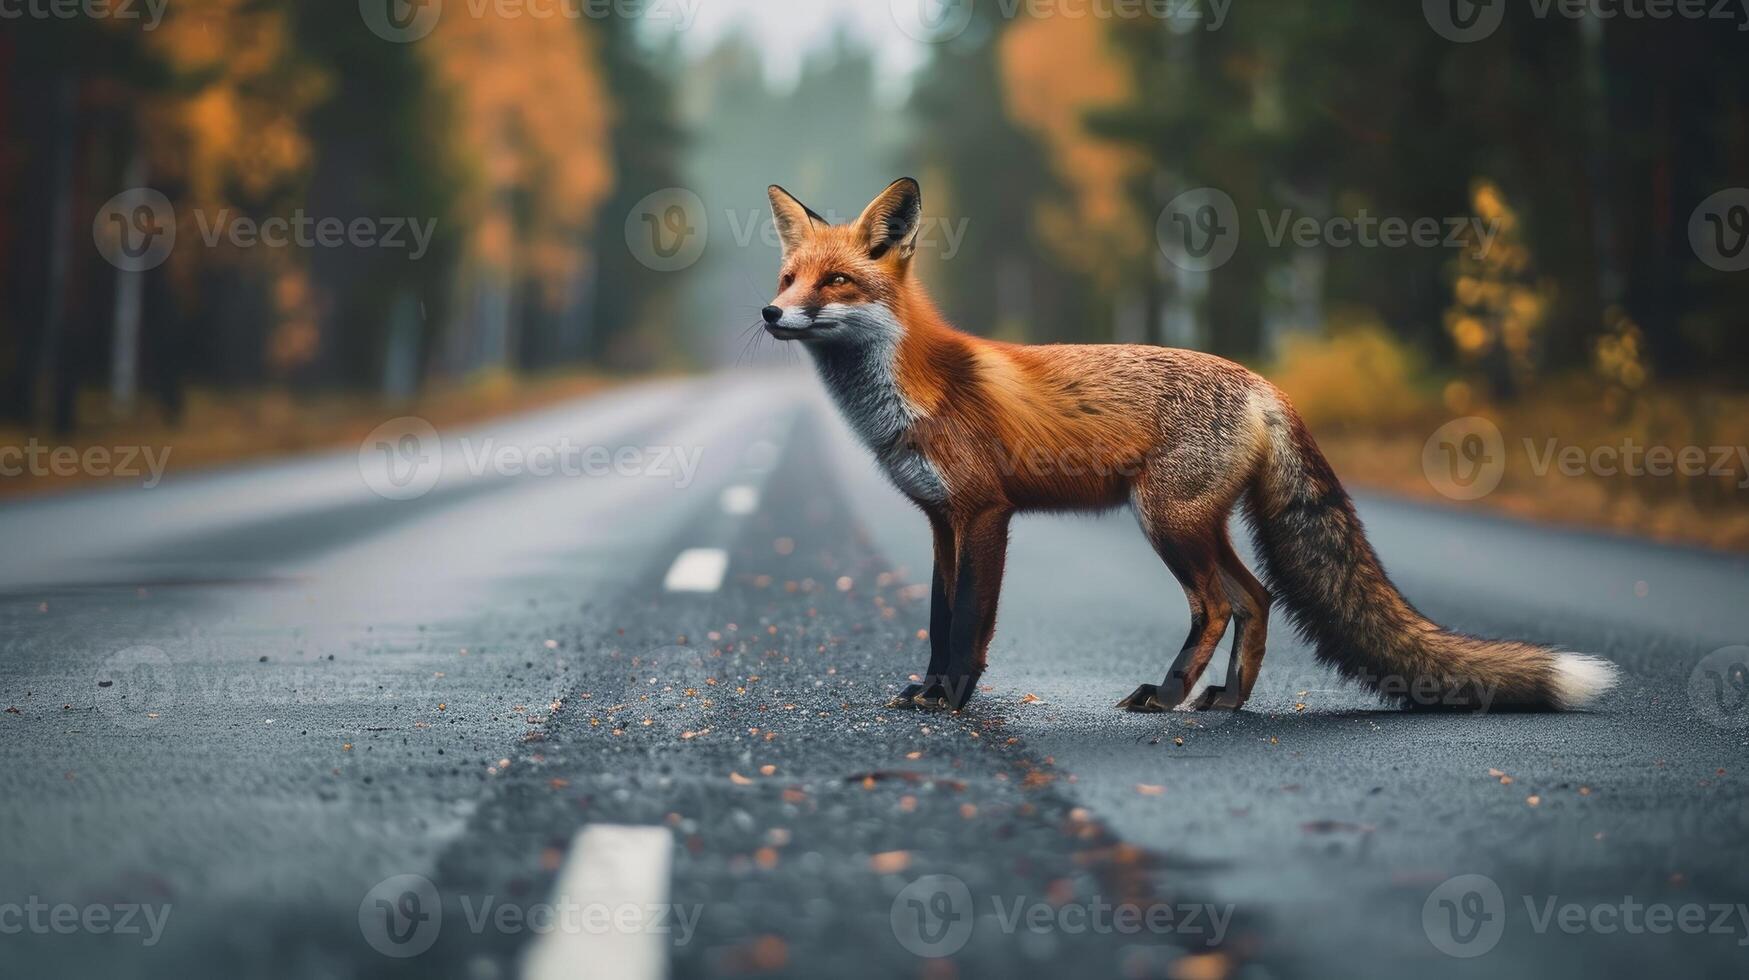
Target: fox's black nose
x=772, y=314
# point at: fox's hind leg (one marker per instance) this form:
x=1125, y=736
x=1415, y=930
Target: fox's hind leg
x=1192, y=555
x=1250, y=601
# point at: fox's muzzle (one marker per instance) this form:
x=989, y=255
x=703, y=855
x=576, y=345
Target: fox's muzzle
x=794, y=324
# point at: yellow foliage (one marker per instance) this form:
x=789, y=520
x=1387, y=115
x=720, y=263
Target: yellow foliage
x=1619, y=355
x=1357, y=376
x=1498, y=307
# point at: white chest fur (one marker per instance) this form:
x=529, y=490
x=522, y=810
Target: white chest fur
x=858, y=372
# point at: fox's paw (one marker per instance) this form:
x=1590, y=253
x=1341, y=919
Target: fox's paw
x=1155, y=697
x=1217, y=699
x=1145, y=698
x=907, y=696
x=937, y=692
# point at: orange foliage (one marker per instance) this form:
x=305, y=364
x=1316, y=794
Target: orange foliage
x=1055, y=71
x=234, y=126
x=530, y=125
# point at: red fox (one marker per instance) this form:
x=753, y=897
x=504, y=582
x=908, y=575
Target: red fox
x=974, y=431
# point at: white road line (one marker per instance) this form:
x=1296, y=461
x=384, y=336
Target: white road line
x=697, y=570
x=618, y=868
x=762, y=456
x=740, y=499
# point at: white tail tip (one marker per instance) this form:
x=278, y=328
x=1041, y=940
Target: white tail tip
x=1581, y=679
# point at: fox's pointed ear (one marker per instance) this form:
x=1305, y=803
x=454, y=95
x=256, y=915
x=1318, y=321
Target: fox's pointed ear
x=890, y=221
x=794, y=219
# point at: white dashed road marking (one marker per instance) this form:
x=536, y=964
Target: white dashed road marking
x=740, y=499
x=697, y=570
x=616, y=868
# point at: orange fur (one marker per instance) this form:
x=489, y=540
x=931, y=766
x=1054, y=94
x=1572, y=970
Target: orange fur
x=976, y=431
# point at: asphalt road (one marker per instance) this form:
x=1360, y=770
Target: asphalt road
x=623, y=710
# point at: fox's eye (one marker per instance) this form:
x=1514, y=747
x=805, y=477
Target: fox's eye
x=837, y=279
x=787, y=281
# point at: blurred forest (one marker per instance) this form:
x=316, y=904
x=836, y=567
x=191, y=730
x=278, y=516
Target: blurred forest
x=513, y=134
x=1586, y=143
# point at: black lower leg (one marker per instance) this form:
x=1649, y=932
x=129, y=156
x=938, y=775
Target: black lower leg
x=940, y=624
x=953, y=685
x=1228, y=693
x=1170, y=693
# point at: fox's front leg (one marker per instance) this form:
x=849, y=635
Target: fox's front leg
x=940, y=615
x=981, y=549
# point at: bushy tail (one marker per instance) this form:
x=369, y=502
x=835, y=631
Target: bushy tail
x=1320, y=565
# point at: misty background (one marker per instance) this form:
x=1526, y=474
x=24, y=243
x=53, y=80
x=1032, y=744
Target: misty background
x=594, y=185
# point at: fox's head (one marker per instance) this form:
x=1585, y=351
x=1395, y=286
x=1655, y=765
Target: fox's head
x=844, y=284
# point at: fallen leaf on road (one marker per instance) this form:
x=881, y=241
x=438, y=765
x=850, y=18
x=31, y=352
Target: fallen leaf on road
x=1200, y=966
x=889, y=862
x=1149, y=789
x=739, y=780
